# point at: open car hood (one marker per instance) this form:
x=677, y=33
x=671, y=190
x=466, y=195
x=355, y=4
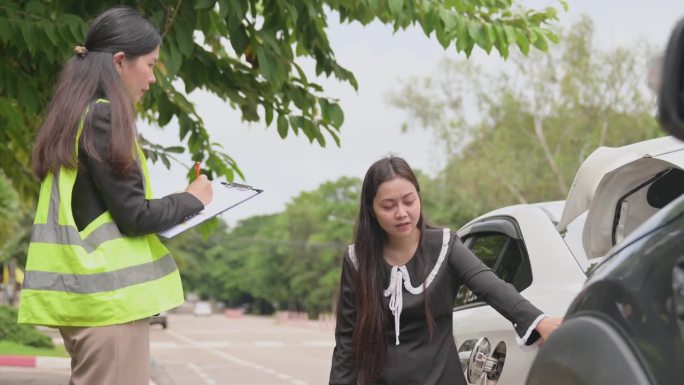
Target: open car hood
x=621, y=187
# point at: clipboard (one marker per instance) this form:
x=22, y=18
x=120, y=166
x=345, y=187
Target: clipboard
x=226, y=196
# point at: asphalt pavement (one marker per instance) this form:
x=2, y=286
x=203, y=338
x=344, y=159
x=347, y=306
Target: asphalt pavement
x=216, y=350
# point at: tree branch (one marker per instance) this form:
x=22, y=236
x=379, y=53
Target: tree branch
x=171, y=18
x=539, y=131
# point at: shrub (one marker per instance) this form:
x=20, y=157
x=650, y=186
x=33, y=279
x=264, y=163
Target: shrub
x=27, y=335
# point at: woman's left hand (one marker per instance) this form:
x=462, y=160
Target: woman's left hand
x=547, y=326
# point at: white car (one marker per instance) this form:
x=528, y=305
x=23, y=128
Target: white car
x=202, y=308
x=545, y=249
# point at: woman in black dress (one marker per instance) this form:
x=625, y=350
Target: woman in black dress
x=399, y=282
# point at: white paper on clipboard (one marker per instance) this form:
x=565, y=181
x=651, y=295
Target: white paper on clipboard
x=225, y=196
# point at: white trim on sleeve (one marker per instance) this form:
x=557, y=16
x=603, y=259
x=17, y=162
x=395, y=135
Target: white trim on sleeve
x=522, y=342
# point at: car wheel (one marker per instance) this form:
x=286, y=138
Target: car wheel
x=587, y=351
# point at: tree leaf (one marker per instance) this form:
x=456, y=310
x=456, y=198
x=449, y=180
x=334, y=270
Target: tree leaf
x=396, y=6
x=49, y=29
x=551, y=36
x=282, y=126
x=429, y=21
x=540, y=41
x=27, y=96
x=204, y=4
x=5, y=30
x=325, y=108
x=268, y=114
x=523, y=42
x=267, y=65
x=28, y=35
x=35, y=7
x=320, y=139
x=173, y=59
x=166, y=161
x=184, y=40
x=224, y=7
x=336, y=115
x=296, y=122
x=238, y=35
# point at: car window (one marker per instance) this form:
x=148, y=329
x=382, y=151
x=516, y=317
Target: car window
x=510, y=262
x=488, y=247
x=504, y=255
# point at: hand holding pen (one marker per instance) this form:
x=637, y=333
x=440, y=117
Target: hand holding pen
x=200, y=187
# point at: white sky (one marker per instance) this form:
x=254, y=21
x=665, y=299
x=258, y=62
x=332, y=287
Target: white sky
x=372, y=129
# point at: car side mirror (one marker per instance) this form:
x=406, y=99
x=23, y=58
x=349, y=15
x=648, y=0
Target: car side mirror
x=671, y=100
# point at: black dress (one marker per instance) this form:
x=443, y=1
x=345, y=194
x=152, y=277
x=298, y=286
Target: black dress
x=414, y=359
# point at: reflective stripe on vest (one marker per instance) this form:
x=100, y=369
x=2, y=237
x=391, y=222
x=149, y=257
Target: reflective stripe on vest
x=96, y=276
x=95, y=283
x=53, y=232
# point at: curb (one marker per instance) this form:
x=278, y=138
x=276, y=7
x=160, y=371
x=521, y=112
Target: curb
x=36, y=362
x=40, y=362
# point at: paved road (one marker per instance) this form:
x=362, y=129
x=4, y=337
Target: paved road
x=217, y=350
x=31, y=376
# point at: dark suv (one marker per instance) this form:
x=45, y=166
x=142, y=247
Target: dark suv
x=626, y=326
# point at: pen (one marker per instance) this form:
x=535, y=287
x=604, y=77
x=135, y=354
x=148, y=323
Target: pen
x=197, y=169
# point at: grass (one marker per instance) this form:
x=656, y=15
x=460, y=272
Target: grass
x=15, y=349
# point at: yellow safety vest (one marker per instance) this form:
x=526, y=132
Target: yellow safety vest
x=96, y=276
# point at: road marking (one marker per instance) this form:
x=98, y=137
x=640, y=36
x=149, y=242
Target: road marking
x=162, y=345
x=216, y=344
x=322, y=343
x=268, y=344
x=207, y=379
x=232, y=359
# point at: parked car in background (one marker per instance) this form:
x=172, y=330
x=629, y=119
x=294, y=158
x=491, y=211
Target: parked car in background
x=546, y=250
x=626, y=326
x=160, y=319
x=202, y=308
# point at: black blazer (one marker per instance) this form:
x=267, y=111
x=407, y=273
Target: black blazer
x=97, y=190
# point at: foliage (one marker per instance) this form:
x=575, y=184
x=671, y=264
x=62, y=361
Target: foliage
x=536, y=125
x=23, y=334
x=9, y=214
x=15, y=223
x=246, y=52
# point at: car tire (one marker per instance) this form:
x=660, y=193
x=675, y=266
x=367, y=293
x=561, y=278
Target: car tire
x=587, y=351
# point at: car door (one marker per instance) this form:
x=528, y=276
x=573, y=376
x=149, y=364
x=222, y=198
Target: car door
x=502, y=252
x=497, y=241
x=620, y=188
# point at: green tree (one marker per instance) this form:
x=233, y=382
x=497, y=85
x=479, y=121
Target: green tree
x=534, y=124
x=9, y=209
x=246, y=52
x=14, y=231
x=320, y=225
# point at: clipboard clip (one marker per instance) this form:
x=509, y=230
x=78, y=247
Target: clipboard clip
x=238, y=186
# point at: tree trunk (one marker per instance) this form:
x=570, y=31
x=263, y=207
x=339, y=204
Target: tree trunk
x=604, y=131
x=509, y=186
x=539, y=132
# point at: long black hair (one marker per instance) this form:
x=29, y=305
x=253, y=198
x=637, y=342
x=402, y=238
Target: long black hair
x=369, y=341
x=89, y=75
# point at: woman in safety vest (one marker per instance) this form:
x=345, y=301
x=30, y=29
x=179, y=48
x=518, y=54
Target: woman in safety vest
x=95, y=269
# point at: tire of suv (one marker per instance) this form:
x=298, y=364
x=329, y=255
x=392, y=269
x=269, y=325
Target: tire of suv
x=587, y=351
